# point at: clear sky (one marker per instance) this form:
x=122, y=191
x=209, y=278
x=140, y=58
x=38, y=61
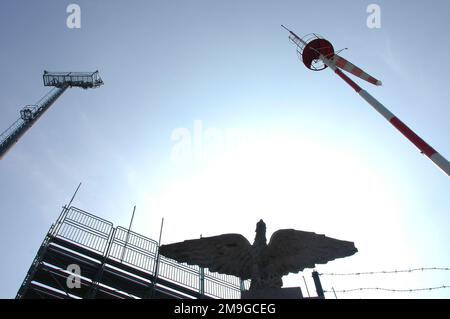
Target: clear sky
x=268, y=138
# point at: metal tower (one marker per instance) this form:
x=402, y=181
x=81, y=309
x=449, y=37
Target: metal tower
x=318, y=54
x=60, y=81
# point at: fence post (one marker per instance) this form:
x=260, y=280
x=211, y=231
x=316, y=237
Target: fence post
x=318, y=285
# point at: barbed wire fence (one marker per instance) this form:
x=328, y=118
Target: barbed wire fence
x=387, y=289
x=386, y=272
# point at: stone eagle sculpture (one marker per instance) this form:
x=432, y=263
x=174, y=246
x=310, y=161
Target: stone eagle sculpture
x=265, y=264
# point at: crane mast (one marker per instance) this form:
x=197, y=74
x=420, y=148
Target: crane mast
x=60, y=81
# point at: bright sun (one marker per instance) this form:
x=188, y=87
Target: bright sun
x=291, y=183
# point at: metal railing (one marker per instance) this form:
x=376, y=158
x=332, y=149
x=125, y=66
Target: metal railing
x=8, y=133
x=80, y=79
x=84, y=229
x=135, y=250
x=185, y=275
x=223, y=286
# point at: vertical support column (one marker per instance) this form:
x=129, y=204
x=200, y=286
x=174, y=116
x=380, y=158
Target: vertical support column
x=34, y=266
x=155, y=275
x=241, y=284
x=96, y=280
x=202, y=282
x=156, y=269
x=318, y=285
x=55, y=229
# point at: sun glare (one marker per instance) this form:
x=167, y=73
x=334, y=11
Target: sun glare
x=287, y=181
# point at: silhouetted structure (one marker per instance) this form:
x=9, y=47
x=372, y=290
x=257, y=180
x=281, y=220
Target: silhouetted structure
x=60, y=81
x=318, y=54
x=114, y=263
x=265, y=264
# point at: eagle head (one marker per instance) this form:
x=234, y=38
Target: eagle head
x=261, y=227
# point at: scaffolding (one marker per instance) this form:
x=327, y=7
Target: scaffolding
x=116, y=263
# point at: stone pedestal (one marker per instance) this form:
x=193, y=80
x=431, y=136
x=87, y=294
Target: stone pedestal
x=273, y=293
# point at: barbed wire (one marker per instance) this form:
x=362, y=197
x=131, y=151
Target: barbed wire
x=388, y=289
x=385, y=271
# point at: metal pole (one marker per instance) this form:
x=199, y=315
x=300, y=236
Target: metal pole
x=25, y=124
x=202, y=279
x=156, y=270
x=64, y=212
x=307, y=290
x=96, y=281
x=299, y=41
x=335, y=296
x=423, y=146
x=74, y=194
x=160, y=233
x=318, y=285
x=241, y=285
x=128, y=235
x=202, y=282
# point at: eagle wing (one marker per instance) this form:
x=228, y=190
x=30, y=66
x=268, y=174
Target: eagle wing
x=226, y=254
x=292, y=250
